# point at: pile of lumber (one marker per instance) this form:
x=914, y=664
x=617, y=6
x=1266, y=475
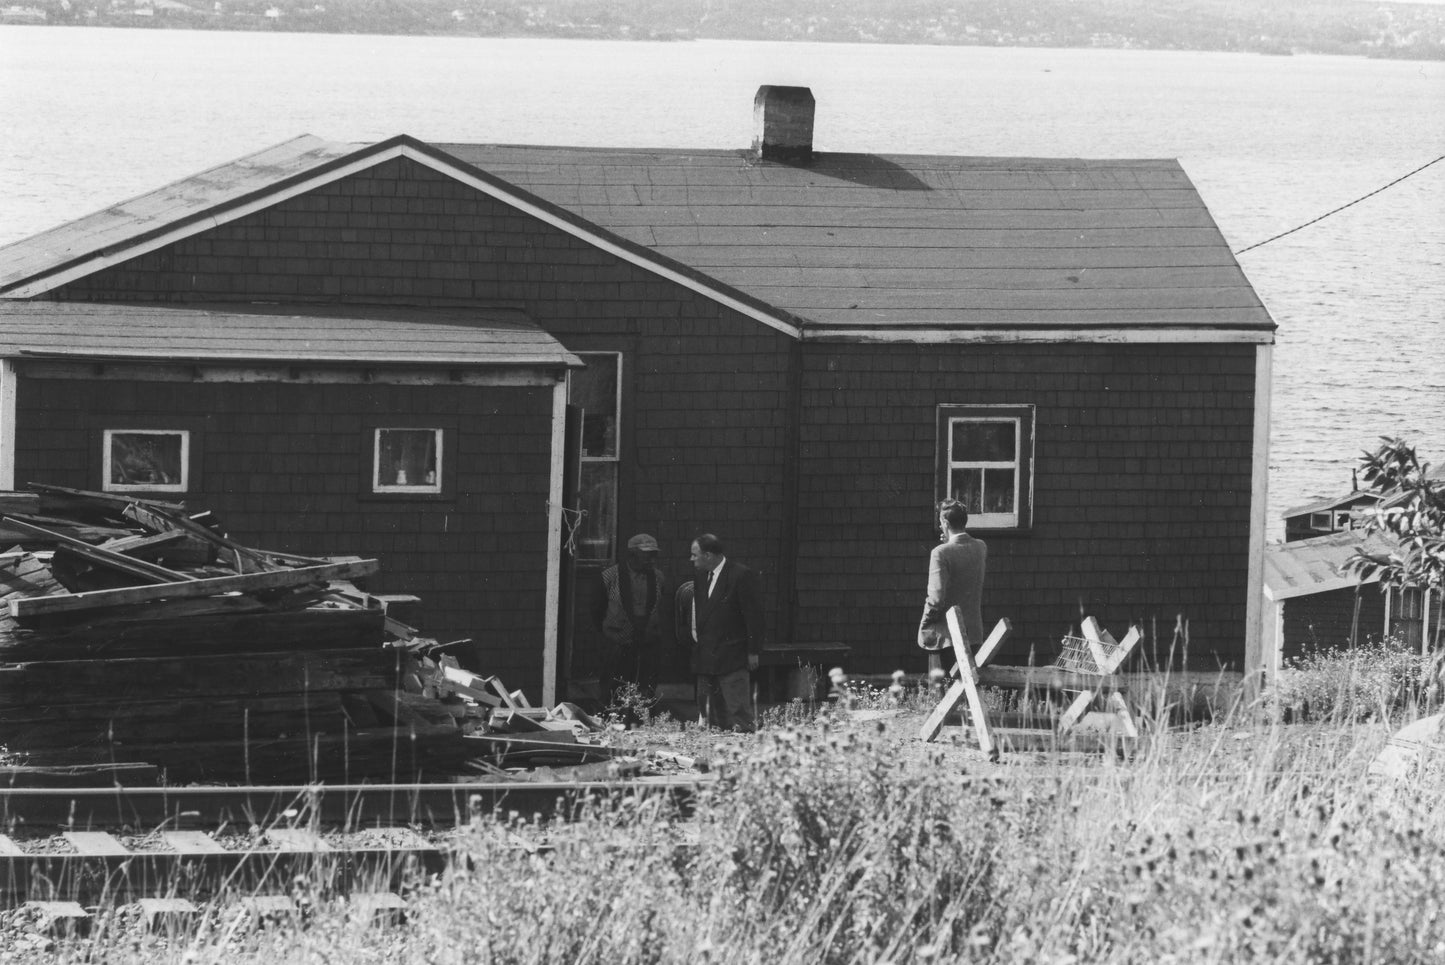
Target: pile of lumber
x=132, y=631
x=139, y=643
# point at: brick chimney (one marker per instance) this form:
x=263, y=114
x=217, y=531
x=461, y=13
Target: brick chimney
x=783, y=124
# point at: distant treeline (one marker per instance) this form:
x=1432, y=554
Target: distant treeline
x=1356, y=27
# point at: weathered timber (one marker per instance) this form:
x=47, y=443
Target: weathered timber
x=62, y=498
x=86, y=532
x=247, y=560
x=227, y=632
x=1043, y=678
x=148, y=572
x=13, y=502
x=403, y=753
x=79, y=682
x=26, y=576
x=247, y=583
x=177, y=547
x=170, y=721
x=80, y=775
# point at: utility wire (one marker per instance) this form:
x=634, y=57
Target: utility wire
x=1343, y=206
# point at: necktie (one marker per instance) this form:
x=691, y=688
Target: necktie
x=711, y=582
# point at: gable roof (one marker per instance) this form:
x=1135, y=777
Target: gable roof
x=857, y=241
x=196, y=200
x=238, y=333
x=851, y=245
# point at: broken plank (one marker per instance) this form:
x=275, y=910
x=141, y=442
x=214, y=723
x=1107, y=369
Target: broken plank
x=96, y=844
x=1042, y=678
x=192, y=842
x=113, y=499
x=248, y=583
x=103, y=557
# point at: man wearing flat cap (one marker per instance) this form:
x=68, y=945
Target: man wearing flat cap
x=633, y=613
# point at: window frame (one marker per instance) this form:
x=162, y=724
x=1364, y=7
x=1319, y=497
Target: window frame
x=436, y=488
x=1024, y=419
x=608, y=550
x=106, y=447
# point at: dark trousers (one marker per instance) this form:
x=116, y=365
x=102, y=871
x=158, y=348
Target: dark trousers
x=726, y=700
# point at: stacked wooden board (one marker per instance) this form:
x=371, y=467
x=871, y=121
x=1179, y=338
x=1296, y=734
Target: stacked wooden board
x=132, y=631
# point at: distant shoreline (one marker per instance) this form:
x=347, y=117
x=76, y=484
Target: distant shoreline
x=1390, y=31
x=1403, y=55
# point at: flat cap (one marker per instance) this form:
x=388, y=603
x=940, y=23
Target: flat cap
x=642, y=542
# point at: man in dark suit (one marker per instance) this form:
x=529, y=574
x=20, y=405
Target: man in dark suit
x=727, y=616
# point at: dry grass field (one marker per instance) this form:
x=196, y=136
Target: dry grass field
x=835, y=836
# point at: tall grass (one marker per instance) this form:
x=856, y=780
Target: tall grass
x=1381, y=679
x=1229, y=842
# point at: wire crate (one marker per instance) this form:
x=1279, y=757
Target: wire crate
x=1078, y=657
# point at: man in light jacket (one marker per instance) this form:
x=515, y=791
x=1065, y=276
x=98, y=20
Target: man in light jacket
x=955, y=578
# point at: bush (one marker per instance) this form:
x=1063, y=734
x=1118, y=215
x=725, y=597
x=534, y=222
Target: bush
x=1378, y=681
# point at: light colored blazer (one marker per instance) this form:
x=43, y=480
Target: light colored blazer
x=955, y=579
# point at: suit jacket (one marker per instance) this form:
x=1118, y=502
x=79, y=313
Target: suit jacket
x=729, y=622
x=955, y=579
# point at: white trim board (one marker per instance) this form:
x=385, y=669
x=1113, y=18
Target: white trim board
x=1016, y=334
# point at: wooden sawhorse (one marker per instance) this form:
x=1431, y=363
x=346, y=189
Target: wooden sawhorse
x=1087, y=668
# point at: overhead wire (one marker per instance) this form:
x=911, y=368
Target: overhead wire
x=1342, y=207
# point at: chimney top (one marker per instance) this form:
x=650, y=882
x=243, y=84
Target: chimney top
x=783, y=124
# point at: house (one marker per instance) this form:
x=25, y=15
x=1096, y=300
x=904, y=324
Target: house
x=797, y=350
x=1327, y=515
x=1312, y=601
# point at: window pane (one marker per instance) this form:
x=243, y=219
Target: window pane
x=966, y=486
x=406, y=457
x=998, y=490
x=598, y=501
x=145, y=459
x=594, y=390
x=991, y=441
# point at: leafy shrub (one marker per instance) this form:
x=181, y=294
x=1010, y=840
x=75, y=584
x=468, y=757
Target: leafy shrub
x=1379, y=680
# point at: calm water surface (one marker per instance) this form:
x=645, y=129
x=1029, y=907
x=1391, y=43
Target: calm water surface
x=91, y=116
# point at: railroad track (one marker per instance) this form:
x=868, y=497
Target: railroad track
x=71, y=853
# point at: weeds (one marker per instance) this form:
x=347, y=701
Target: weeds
x=1379, y=680
x=1231, y=842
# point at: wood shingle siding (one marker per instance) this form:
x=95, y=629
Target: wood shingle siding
x=1141, y=491
x=285, y=467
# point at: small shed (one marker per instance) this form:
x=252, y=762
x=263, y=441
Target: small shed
x=428, y=439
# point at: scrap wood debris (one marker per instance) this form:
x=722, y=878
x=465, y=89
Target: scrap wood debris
x=133, y=632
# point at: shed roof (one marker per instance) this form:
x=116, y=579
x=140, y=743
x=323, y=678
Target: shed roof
x=849, y=243
x=1316, y=565
x=340, y=334
x=1324, y=503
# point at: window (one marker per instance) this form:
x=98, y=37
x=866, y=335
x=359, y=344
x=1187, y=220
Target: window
x=596, y=390
x=985, y=461
x=1320, y=522
x=1343, y=520
x=147, y=460
x=407, y=461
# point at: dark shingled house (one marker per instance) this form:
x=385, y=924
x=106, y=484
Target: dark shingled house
x=800, y=351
